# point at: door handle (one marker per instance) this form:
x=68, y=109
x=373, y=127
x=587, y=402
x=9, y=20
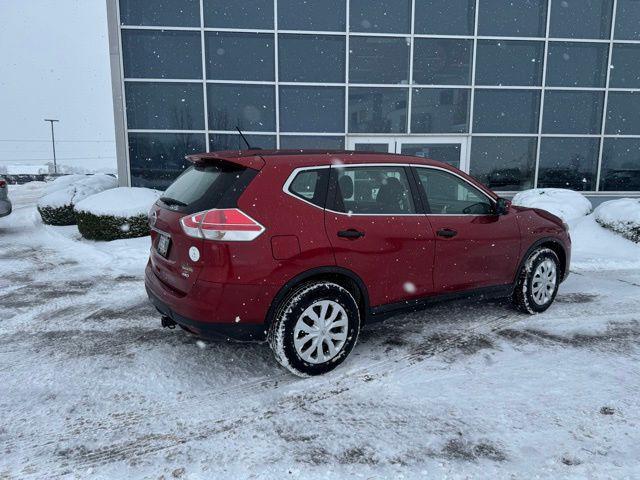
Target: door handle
x=447, y=233
x=352, y=233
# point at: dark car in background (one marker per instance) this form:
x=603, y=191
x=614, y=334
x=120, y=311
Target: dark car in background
x=5, y=203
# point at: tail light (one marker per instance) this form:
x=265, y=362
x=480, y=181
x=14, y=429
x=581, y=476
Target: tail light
x=3, y=184
x=228, y=224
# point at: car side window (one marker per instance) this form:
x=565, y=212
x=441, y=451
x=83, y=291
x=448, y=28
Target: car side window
x=311, y=185
x=449, y=194
x=374, y=190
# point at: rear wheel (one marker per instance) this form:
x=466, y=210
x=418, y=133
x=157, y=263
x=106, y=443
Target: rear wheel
x=538, y=282
x=315, y=328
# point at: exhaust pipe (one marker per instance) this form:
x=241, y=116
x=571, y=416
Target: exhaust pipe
x=167, y=322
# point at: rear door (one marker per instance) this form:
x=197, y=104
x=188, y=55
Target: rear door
x=376, y=231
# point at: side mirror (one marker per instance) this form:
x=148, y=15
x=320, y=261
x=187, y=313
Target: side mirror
x=502, y=206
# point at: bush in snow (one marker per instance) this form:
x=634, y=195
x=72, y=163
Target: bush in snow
x=56, y=206
x=566, y=204
x=116, y=213
x=622, y=216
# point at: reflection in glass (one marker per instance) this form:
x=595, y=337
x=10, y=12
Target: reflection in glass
x=311, y=58
x=311, y=142
x=378, y=110
x=372, y=147
x=229, y=55
x=442, y=61
x=504, y=163
x=568, y=163
x=567, y=111
x=509, y=18
x=378, y=60
x=577, y=64
x=626, y=66
x=311, y=109
x=442, y=152
x=231, y=141
x=507, y=62
x=620, y=169
x=382, y=16
x=623, y=113
x=581, y=19
x=440, y=110
x=445, y=17
x=506, y=111
x=628, y=20
x=317, y=15
x=249, y=107
x=238, y=14
x=170, y=13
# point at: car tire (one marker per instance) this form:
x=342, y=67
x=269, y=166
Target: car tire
x=538, y=281
x=315, y=328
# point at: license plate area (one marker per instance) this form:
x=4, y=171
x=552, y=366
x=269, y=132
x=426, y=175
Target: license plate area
x=164, y=243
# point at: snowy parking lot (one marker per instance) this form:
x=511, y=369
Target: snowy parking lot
x=92, y=386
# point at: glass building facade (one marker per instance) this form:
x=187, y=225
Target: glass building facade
x=520, y=94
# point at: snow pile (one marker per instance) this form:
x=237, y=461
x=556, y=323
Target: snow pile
x=62, y=182
x=622, y=216
x=566, y=204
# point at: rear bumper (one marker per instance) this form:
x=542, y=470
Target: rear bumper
x=5, y=208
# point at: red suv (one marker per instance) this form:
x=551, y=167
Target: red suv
x=303, y=248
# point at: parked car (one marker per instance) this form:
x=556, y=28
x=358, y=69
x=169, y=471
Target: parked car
x=5, y=203
x=304, y=248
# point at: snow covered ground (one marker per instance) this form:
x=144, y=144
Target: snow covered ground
x=92, y=387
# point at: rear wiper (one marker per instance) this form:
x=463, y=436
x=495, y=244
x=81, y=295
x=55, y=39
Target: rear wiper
x=172, y=201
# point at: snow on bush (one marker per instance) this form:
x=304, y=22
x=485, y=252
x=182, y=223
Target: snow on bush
x=56, y=206
x=566, y=204
x=116, y=213
x=622, y=216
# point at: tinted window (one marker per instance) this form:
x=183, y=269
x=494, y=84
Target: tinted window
x=311, y=58
x=521, y=18
x=313, y=142
x=623, y=113
x=311, y=185
x=243, y=14
x=450, y=195
x=169, y=13
x=620, y=164
x=440, y=110
x=626, y=63
x=504, y=163
x=442, y=152
x=378, y=110
x=230, y=141
x=318, y=15
x=628, y=20
x=165, y=106
x=391, y=16
x=581, y=18
x=442, y=61
x=568, y=163
x=374, y=190
x=239, y=56
x=506, y=111
x=572, y=112
x=249, y=107
x=378, y=60
x=311, y=109
x=161, y=54
x=504, y=62
x=577, y=64
x=445, y=17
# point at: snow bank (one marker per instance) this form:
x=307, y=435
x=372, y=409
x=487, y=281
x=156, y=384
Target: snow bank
x=120, y=202
x=622, y=216
x=73, y=190
x=566, y=204
x=62, y=182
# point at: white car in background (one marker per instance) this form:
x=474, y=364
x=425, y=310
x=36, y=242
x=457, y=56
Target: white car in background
x=5, y=203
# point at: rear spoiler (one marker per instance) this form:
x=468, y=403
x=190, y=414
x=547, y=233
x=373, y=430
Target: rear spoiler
x=255, y=162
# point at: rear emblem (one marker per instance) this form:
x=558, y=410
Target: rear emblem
x=194, y=254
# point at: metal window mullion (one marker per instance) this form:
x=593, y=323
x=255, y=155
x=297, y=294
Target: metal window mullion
x=276, y=68
x=410, y=80
x=123, y=96
x=472, y=99
x=606, y=94
x=541, y=109
x=346, y=75
x=204, y=76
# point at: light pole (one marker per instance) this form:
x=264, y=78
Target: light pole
x=53, y=143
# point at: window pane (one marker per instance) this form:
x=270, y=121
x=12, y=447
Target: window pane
x=450, y=195
x=374, y=190
x=581, y=18
x=445, y=17
x=504, y=163
x=504, y=62
x=568, y=163
x=311, y=58
x=572, y=112
x=620, y=169
x=390, y=16
x=626, y=63
x=378, y=60
x=169, y=13
x=522, y=18
x=506, y=111
x=239, y=56
x=442, y=61
x=231, y=141
x=312, y=142
x=249, y=107
x=165, y=106
x=378, y=110
x=442, y=152
x=161, y=54
x=244, y=14
x=318, y=15
x=311, y=185
x=156, y=159
x=623, y=113
x=628, y=20
x=440, y=110
x=372, y=147
x=311, y=109
x=577, y=64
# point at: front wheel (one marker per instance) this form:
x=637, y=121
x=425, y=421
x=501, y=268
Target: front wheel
x=538, y=281
x=315, y=328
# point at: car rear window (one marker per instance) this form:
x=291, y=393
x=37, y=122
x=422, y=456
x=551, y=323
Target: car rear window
x=202, y=187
